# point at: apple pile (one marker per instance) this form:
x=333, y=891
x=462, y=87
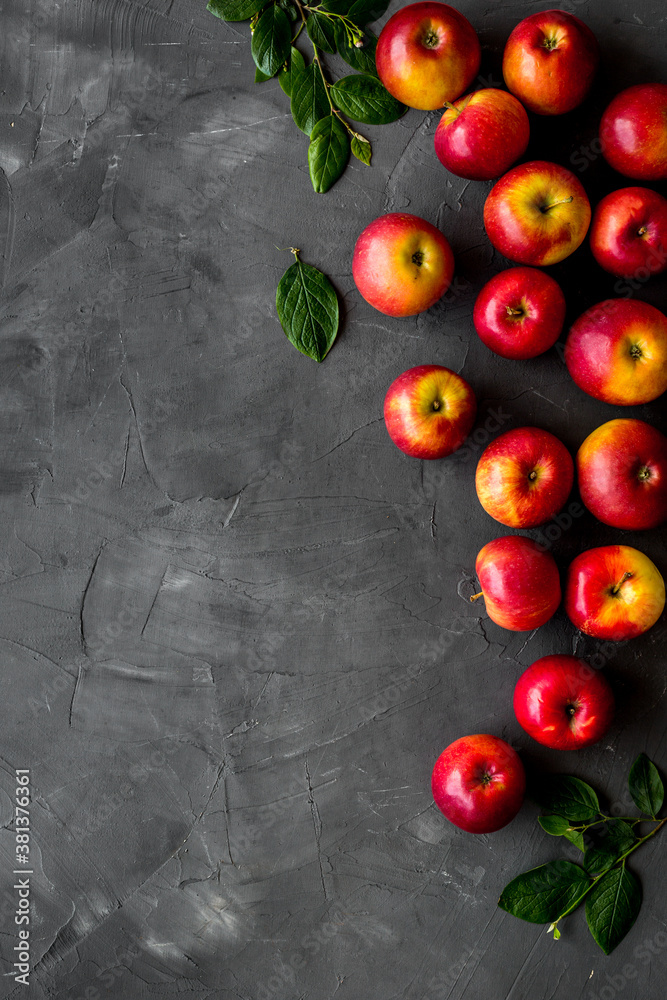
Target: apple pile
x=536, y=214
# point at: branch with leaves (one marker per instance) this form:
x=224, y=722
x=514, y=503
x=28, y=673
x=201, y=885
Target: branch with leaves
x=611, y=893
x=321, y=108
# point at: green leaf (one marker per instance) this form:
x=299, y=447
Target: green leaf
x=575, y=837
x=543, y=894
x=364, y=99
x=307, y=307
x=261, y=77
x=646, y=787
x=309, y=97
x=554, y=825
x=615, y=839
x=361, y=148
x=362, y=59
x=295, y=65
x=567, y=796
x=328, y=152
x=321, y=32
x=364, y=11
x=337, y=6
x=234, y=10
x=270, y=46
x=612, y=907
x=289, y=9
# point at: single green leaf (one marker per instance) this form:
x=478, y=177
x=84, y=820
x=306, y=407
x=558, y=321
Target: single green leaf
x=337, y=6
x=542, y=894
x=270, y=46
x=364, y=11
x=307, y=307
x=261, y=77
x=612, y=907
x=328, y=152
x=321, y=32
x=554, y=825
x=614, y=839
x=362, y=59
x=309, y=97
x=289, y=9
x=361, y=148
x=234, y=10
x=364, y=99
x=295, y=64
x=575, y=837
x=567, y=796
x=646, y=787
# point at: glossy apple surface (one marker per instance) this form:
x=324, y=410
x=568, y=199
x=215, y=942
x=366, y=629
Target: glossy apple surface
x=633, y=132
x=427, y=54
x=402, y=264
x=549, y=61
x=520, y=313
x=617, y=352
x=622, y=474
x=614, y=592
x=481, y=135
x=429, y=411
x=479, y=783
x=563, y=703
x=538, y=213
x=524, y=477
x=628, y=233
x=520, y=582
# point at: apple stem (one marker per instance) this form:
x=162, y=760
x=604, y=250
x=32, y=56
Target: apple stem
x=511, y=311
x=626, y=576
x=642, y=232
x=562, y=201
x=475, y=596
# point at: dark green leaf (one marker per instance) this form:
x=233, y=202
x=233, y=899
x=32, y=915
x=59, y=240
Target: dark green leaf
x=614, y=840
x=364, y=11
x=261, y=77
x=337, y=6
x=296, y=65
x=555, y=825
x=646, y=786
x=543, y=894
x=612, y=907
x=307, y=308
x=309, y=97
x=289, y=9
x=321, y=32
x=361, y=148
x=566, y=796
x=575, y=837
x=364, y=99
x=362, y=59
x=328, y=152
x=234, y=10
x=270, y=44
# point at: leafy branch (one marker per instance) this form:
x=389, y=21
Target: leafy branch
x=611, y=892
x=320, y=108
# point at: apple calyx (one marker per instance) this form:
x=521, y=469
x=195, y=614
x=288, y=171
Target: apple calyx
x=615, y=590
x=562, y=201
x=532, y=475
x=642, y=232
x=644, y=474
x=636, y=352
x=550, y=43
x=431, y=38
x=418, y=257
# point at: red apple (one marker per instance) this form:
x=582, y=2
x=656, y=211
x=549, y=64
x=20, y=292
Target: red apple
x=524, y=477
x=429, y=411
x=622, y=472
x=617, y=352
x=520, y=582
x=614, y=592
x=478, y=782
x=520, y=313
x=402, y=264
x=629, y=233
x=538, y=213
x=633, y=132
x=480, y=136
x=563, y=703
x=549, y=61
x=427, y=54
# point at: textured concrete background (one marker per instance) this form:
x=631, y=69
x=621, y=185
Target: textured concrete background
x=234, y=617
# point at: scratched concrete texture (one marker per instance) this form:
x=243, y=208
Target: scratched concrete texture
x=235, y=626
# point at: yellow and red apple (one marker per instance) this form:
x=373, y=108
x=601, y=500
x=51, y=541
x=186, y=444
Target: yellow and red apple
x=481, y=135
x=429, y=411
x=524, y=477
x=519, y=313
x=427, y=53
x=622, y=473
x=520, y=582
x=402, y=264
x=628, y=233
x=538, y=213
x=633, y=132
x=614, y=592
x=617, y=352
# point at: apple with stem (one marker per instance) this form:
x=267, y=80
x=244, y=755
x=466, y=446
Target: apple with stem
x=538, y=213
x=633, y=133
x=563, y=703
x=481, y=135
x=614, y=592
x=628, y=233
x=429, y=411
x=519, y=313
x=479, y=783
x=402, y=264
x=520, y=582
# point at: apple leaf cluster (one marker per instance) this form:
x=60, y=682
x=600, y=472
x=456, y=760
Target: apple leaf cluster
x=307, y=307
x=320, y=108
x=612, y=894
